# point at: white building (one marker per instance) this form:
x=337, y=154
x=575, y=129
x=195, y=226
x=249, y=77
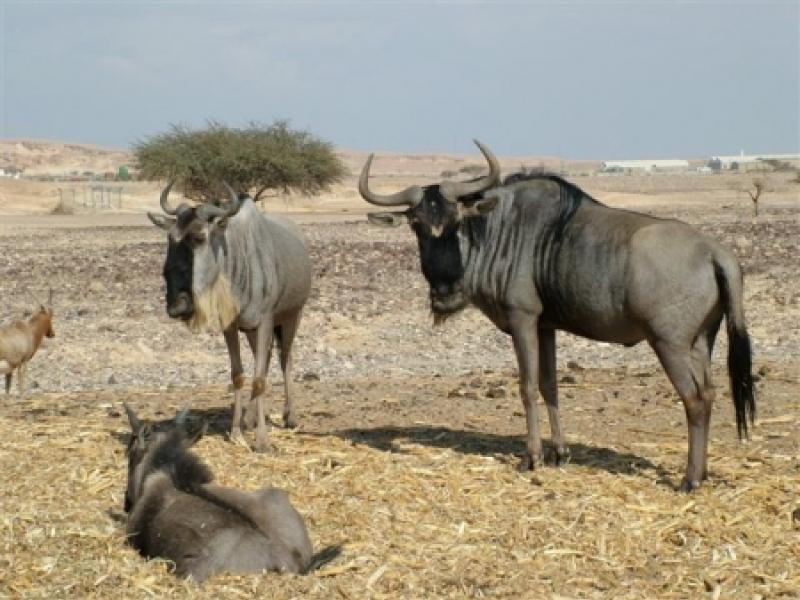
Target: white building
x=646, y=166
x=752, y=160
x=10, y=172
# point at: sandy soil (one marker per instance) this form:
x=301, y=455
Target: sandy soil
x=374, y=377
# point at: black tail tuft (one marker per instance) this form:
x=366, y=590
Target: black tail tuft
x=323, y=557
x=740, y=361
x=740, y=368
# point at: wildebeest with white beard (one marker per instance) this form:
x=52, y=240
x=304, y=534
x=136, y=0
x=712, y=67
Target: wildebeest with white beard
x=233, y=268
x=537, y=254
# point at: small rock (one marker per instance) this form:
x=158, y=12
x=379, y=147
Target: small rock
x=111, y=379
x=574, y=365
x=497, y=391
x=310, y=376
x=568, y=379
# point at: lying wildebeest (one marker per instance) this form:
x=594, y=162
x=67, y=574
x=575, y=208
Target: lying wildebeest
x=177, y=513
x=235, y=269
x=19, y=341
x=537, y=254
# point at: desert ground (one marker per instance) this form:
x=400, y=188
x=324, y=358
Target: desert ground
x=408, y=435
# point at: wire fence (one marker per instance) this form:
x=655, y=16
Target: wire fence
x=92, y=197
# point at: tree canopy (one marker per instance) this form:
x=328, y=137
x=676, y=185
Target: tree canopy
x=252, y=159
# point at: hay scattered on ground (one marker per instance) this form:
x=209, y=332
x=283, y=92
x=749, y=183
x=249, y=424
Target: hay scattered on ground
x=417, y=519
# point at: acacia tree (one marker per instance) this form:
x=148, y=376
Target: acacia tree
x=254, y=159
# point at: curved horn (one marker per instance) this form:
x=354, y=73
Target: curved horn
x=164, y=203
x=453, y=190
x=235, y=204
x=409, y=197
x=209, y=211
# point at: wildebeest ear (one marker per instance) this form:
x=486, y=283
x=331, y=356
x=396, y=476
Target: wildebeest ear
x=479, y=207
x=192, y=437
x=136, y=423
x=162, y=221
x=388, y=219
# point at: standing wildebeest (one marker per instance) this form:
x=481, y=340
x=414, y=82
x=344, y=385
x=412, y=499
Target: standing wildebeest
x=177, y=513
x=235, y=269
x=537, y=254
x=20, y=340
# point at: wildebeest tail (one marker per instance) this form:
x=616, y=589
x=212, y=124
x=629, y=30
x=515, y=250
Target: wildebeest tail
x=740, y=362
x=322, y=558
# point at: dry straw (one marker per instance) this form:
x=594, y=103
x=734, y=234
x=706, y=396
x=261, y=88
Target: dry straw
x=416, y=520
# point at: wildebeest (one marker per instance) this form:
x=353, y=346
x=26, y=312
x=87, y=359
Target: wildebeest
x=537, y=254
x=177, y=512
x=236, y=269
x=19, y=341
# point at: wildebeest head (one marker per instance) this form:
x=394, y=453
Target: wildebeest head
x=150, y=450
x=195, y=240
x=435, y=212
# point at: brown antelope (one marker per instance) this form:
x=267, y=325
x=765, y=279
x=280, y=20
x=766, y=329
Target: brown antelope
x=177, y=512
x=19, y=341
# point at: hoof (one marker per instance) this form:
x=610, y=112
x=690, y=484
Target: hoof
x=687, y=485
x=237, y=438
x=263, y=448
x=561, y=456
x=529, y=463
x=289, y=422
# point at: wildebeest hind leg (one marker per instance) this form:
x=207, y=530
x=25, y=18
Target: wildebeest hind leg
x=288, y=331
x=526, y=347
x=686, y=369
x=548, y=387
x=8, y=380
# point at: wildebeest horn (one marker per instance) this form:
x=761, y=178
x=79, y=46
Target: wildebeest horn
x=208, y=211
x=164, y=203
x=453, y=190
x=235, y=204
x=409, y=197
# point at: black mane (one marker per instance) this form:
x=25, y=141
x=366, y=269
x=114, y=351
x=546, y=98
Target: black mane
x=573, y=189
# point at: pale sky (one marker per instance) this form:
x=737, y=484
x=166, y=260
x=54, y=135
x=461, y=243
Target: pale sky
x=577, y=79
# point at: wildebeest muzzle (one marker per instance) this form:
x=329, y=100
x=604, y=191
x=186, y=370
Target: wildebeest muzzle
x=447, y=298
x=182, y=307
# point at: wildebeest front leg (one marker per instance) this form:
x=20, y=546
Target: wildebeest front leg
x=264, y=337
x=237, y=379
x=526, y=347
x=548, y=386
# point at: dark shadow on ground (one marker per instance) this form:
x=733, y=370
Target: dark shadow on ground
x=503, y=447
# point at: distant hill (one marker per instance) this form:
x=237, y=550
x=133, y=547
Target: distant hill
x=38, y=157
x=44, y=157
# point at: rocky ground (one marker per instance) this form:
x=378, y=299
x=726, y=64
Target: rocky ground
x=373, y=373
